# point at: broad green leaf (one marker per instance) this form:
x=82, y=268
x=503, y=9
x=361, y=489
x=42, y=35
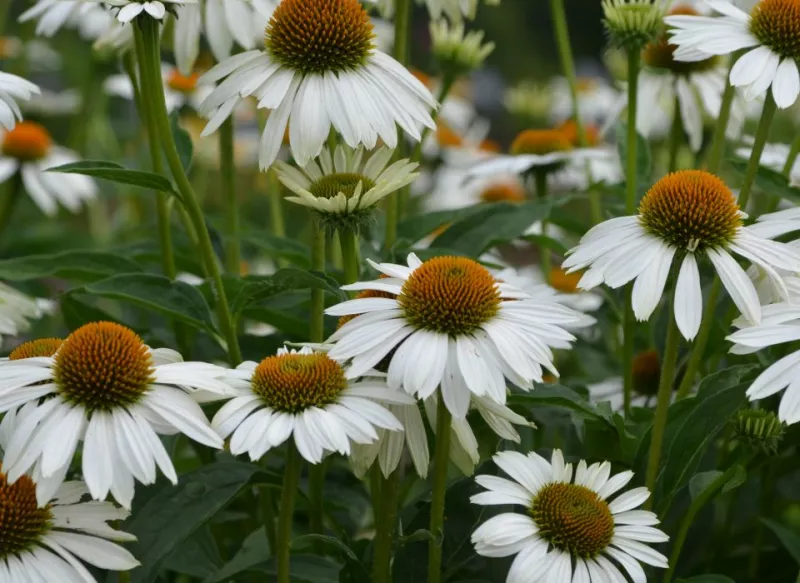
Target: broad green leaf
x=700, y=482
x=547, y=242
x=418, y=227
x=174, y=299
x=254, y=289
x=76, y=311
x=116, y=173
x=492, y=224
x=252, y=553
x=770, y=181
x=644, y=161
x=72, y=265
x=692, y=426
x=556, y=396
x=280, y=248
x=355, y=569
x=197, y=556
x=707, y=579
x=789, y=538
x=175, y=513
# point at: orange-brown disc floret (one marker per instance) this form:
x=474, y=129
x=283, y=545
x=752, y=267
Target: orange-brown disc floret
x=28, y=141
x=182, y=83
x=570, y=129
x=573, y=518
x=450, y=295
x=776, y=24
x=563, y=281
x=691, y=209
x=660, y=53
x=34, y=348
x=22, y=521
x=331, y=185
x=102, y=366
x=314, y=36
x=540, y=142
x=291, y=383
x=503, y=192
x=646, y=372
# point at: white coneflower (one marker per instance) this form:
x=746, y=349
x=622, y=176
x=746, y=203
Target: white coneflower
x=780, y=325
x=13, y=89
x=774, y=156
x=454, y=9
x=596, y=98
x=305, y=395
x=104, y=387
x=320, y=68
x=771, y=30
x=570, y=531
x=16, y=309
x=344, y=186
x=695, y=86
x=89, y=18
x=28, y=150
x=458, y=52
x=179, y=90
x=51, y=541
x=452, y=324
x=130, y=9
x=685, y=216
x=223, y=23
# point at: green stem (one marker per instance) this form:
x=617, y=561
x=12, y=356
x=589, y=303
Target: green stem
x=268, y=517
x=675, y=137
x=348, y=239
x=9, y=201
x=402, y=30
x=662, y=404
x=690, y=515
x=790, y=160
x=718, y=141
x=275, y=206
x=699, y=348
x=385, y=523
x=440, y=462
x=316, y=493
x=568, y=66
x=767, y=492
x=291, y=479
x=762, y=133
x=632, y=137
x=540, y=178
x=5, y=12
x=227, y=166
x=317, y=322
x=124, y=577
x=153, y=95
x=629, y=337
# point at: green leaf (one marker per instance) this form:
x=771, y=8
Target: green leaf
x=701, y=481
x=692, y=426
x=116, y=173
x=72, y=265
x=175, y=513
x=356, y=571
x=644, y=161
x=197, y=556
x=280, y=248
x=418, y=227
x=76, y=311
x=789, y=538
x=556, y=396
x=770, y=181
x=252, y=553
x=548, y=242
x=157, y=293
x=707, y=579
x=183, y=142
x=494, y=223
x=254, y=289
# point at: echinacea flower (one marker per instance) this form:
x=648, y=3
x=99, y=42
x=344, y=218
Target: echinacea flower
x=16, y=309
x=28, y=150
x=130, y=9
x=768, y=35
x=320, y=67
x=685, y=216
x=780, y=325
x=596, y=98
x=223, y=23
x=570, y=531
x=13, y=89
x=179, y=90
x=104, y=387
x=455, y=10
x=344, y=186
x=50, y=542
x=89, y=18
x=307, y=396
x=449, y=323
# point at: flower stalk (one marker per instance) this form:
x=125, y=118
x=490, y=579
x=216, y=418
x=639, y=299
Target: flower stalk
x=291, y=480
x=440, y=461
x=227, y=165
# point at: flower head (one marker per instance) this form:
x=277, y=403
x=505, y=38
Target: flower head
x=16, y=311
x=689, y=214
x=342, y=186
x=450, y=323
x=771, y=30
x=104, y=387
x=88, y=17
x=631, y=24
x=570, y=527
x=130, y=9
x=307, y=395
x=28, y=149
x=457, y=51
x=320, y=67
x=13, y=89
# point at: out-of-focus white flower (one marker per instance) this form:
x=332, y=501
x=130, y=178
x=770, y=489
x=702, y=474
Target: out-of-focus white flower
x=179, y=90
